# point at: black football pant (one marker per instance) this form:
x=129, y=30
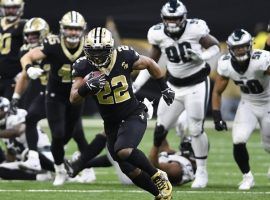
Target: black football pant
x=7, y=88
x=65, y=123
x=36, y=112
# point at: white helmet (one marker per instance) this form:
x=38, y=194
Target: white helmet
x=12, y=16
x=37, y=26
x=4, y=109
x=240, y=38
x=72, y=19
x=98, y=47
x=174, y=15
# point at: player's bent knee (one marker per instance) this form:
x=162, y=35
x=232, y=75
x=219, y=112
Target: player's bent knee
x=195, y=129
x=123, y=154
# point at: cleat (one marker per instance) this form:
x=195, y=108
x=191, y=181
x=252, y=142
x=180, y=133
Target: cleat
x=86, y=176
x=60, y=175
x=163, y=184
x=71, y=168
x=201, y=178
x=248, y=182
x=32, y=163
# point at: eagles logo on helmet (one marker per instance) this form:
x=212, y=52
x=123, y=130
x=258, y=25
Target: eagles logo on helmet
x=174, y=15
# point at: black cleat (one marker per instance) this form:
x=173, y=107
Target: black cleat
x=71, y=168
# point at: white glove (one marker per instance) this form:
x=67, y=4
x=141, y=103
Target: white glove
x=194, y=55
x=150, y=108
x=34, y=72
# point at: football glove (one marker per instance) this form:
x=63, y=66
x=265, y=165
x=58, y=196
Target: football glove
x=149, y=107
x=168, y=95
x=96, y=83
x=159, y=135
x=194, y=55
x=220, y=124
x=34, y=72
x=14, y=105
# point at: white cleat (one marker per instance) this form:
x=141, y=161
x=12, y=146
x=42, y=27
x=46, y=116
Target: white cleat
x=44, y=176
x=248, y=182
x=32, y=163
x=201, y=178
x=85, y=176
x=60, y=175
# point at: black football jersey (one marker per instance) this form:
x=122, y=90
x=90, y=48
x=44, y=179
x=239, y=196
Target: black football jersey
x=41, y=82
x=11, y=39
x=61, y=60
x=116, y=100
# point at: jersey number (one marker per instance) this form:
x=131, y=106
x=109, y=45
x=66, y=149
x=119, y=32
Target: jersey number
x=5, y=43
x=65, y=73
x=120, y=93
x=251, y=86
x=174, y=56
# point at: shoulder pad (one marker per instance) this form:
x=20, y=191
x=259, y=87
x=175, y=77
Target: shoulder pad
x=262, y=58
x=155, y=34
x=198, y=26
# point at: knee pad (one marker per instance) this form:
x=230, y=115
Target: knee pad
x=123, y=154
x=195, y=128
x=126, y=168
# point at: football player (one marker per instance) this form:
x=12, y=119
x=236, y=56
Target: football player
x=249, y=69
x=11, y=39
x=104, y=73
x=12, y=132
x=64, y=118
x=35, y=31
x=186, y=45
x=180, y=166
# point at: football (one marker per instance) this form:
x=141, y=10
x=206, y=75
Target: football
x=92, y=75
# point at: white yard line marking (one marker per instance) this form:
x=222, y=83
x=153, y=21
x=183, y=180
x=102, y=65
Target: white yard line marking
x=133, y=191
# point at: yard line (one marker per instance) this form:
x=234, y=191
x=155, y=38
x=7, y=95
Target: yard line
x=135, y=191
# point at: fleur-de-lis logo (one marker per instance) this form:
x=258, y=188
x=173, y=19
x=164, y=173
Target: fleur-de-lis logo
x=124, y=65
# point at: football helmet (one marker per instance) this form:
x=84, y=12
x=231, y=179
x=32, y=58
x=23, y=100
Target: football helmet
x=12, y=9
x=72, y=20
x=240, y=45
x=98, y=47
x=35, y=30
x=174, y=15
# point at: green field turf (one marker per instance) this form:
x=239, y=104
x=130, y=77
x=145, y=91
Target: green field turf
x=223, y=177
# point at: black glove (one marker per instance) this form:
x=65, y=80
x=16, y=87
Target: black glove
x=93, y=85
x=168, y=95
x=220, y=124
x=159, y=135
x=14, y=105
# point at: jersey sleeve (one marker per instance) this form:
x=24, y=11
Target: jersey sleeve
x=131, y=56
x=222, y=68
x=264, y=60
x=78, y=67
x=154, y=34
x=49, y=44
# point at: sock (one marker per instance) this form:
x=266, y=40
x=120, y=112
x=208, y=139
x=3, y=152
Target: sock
x=57, y=149
x=200, y=147
x=138, y=159
x=144, y=181
x=100, y=161
x=241, y=157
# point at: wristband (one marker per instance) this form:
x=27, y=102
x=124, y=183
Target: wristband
x=83, y=91
x=162, y=83
x=28, y=66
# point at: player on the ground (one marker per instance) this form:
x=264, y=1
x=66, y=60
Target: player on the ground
x=249, y=69
x=11, y=39
x=105, y=73
x=186, y=44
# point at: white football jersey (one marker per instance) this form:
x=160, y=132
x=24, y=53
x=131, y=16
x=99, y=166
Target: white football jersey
x=18, y=144
x=254, y=83
x=188, y=173
x=178, y=64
